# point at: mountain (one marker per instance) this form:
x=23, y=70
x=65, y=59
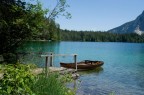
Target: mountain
x=135, y=26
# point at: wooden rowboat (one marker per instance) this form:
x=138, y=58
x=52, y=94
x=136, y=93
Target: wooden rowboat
x=84, y=65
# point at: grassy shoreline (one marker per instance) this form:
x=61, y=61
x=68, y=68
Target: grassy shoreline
x=18, y=79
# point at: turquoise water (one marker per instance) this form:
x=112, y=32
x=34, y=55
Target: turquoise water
x=122, y=73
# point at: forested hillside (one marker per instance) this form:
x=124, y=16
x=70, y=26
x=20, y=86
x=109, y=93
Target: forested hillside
x=98, y=36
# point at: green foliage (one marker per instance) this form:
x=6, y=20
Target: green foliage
x=16, y=80
x=51, y=85
x=52, y=30
x=32, y=66
x=98, y=36
x=66, y=78
x=19, y=21
x=1, y=68
x=59, y=9
x=10, y=58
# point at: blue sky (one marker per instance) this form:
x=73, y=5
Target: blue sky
x=97, y=14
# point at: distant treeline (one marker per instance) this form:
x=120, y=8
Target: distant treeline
x=99, y=36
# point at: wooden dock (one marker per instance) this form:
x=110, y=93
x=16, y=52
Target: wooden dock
x=49, y=64
x=60, y=70
x=49, y=59
x=50, y=69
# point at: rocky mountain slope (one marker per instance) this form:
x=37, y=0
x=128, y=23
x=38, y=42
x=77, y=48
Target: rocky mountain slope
x=135, y=26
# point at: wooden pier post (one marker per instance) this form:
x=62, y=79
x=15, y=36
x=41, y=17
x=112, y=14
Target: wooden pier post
x=46, y=65
x=75, y=61
x=51, y=60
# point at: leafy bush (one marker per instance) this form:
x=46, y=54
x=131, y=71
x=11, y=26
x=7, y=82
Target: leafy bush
x=16, y=80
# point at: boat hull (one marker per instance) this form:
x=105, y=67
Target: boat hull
x=84, y=65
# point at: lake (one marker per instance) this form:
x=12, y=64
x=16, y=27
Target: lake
x=122, y=73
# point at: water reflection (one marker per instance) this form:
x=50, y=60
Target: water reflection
x=94, y=71
x=76, y=85
x=40, y=46
x=31, y=51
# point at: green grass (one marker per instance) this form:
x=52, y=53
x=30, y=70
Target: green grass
x=50, y=85
x=1, y=68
